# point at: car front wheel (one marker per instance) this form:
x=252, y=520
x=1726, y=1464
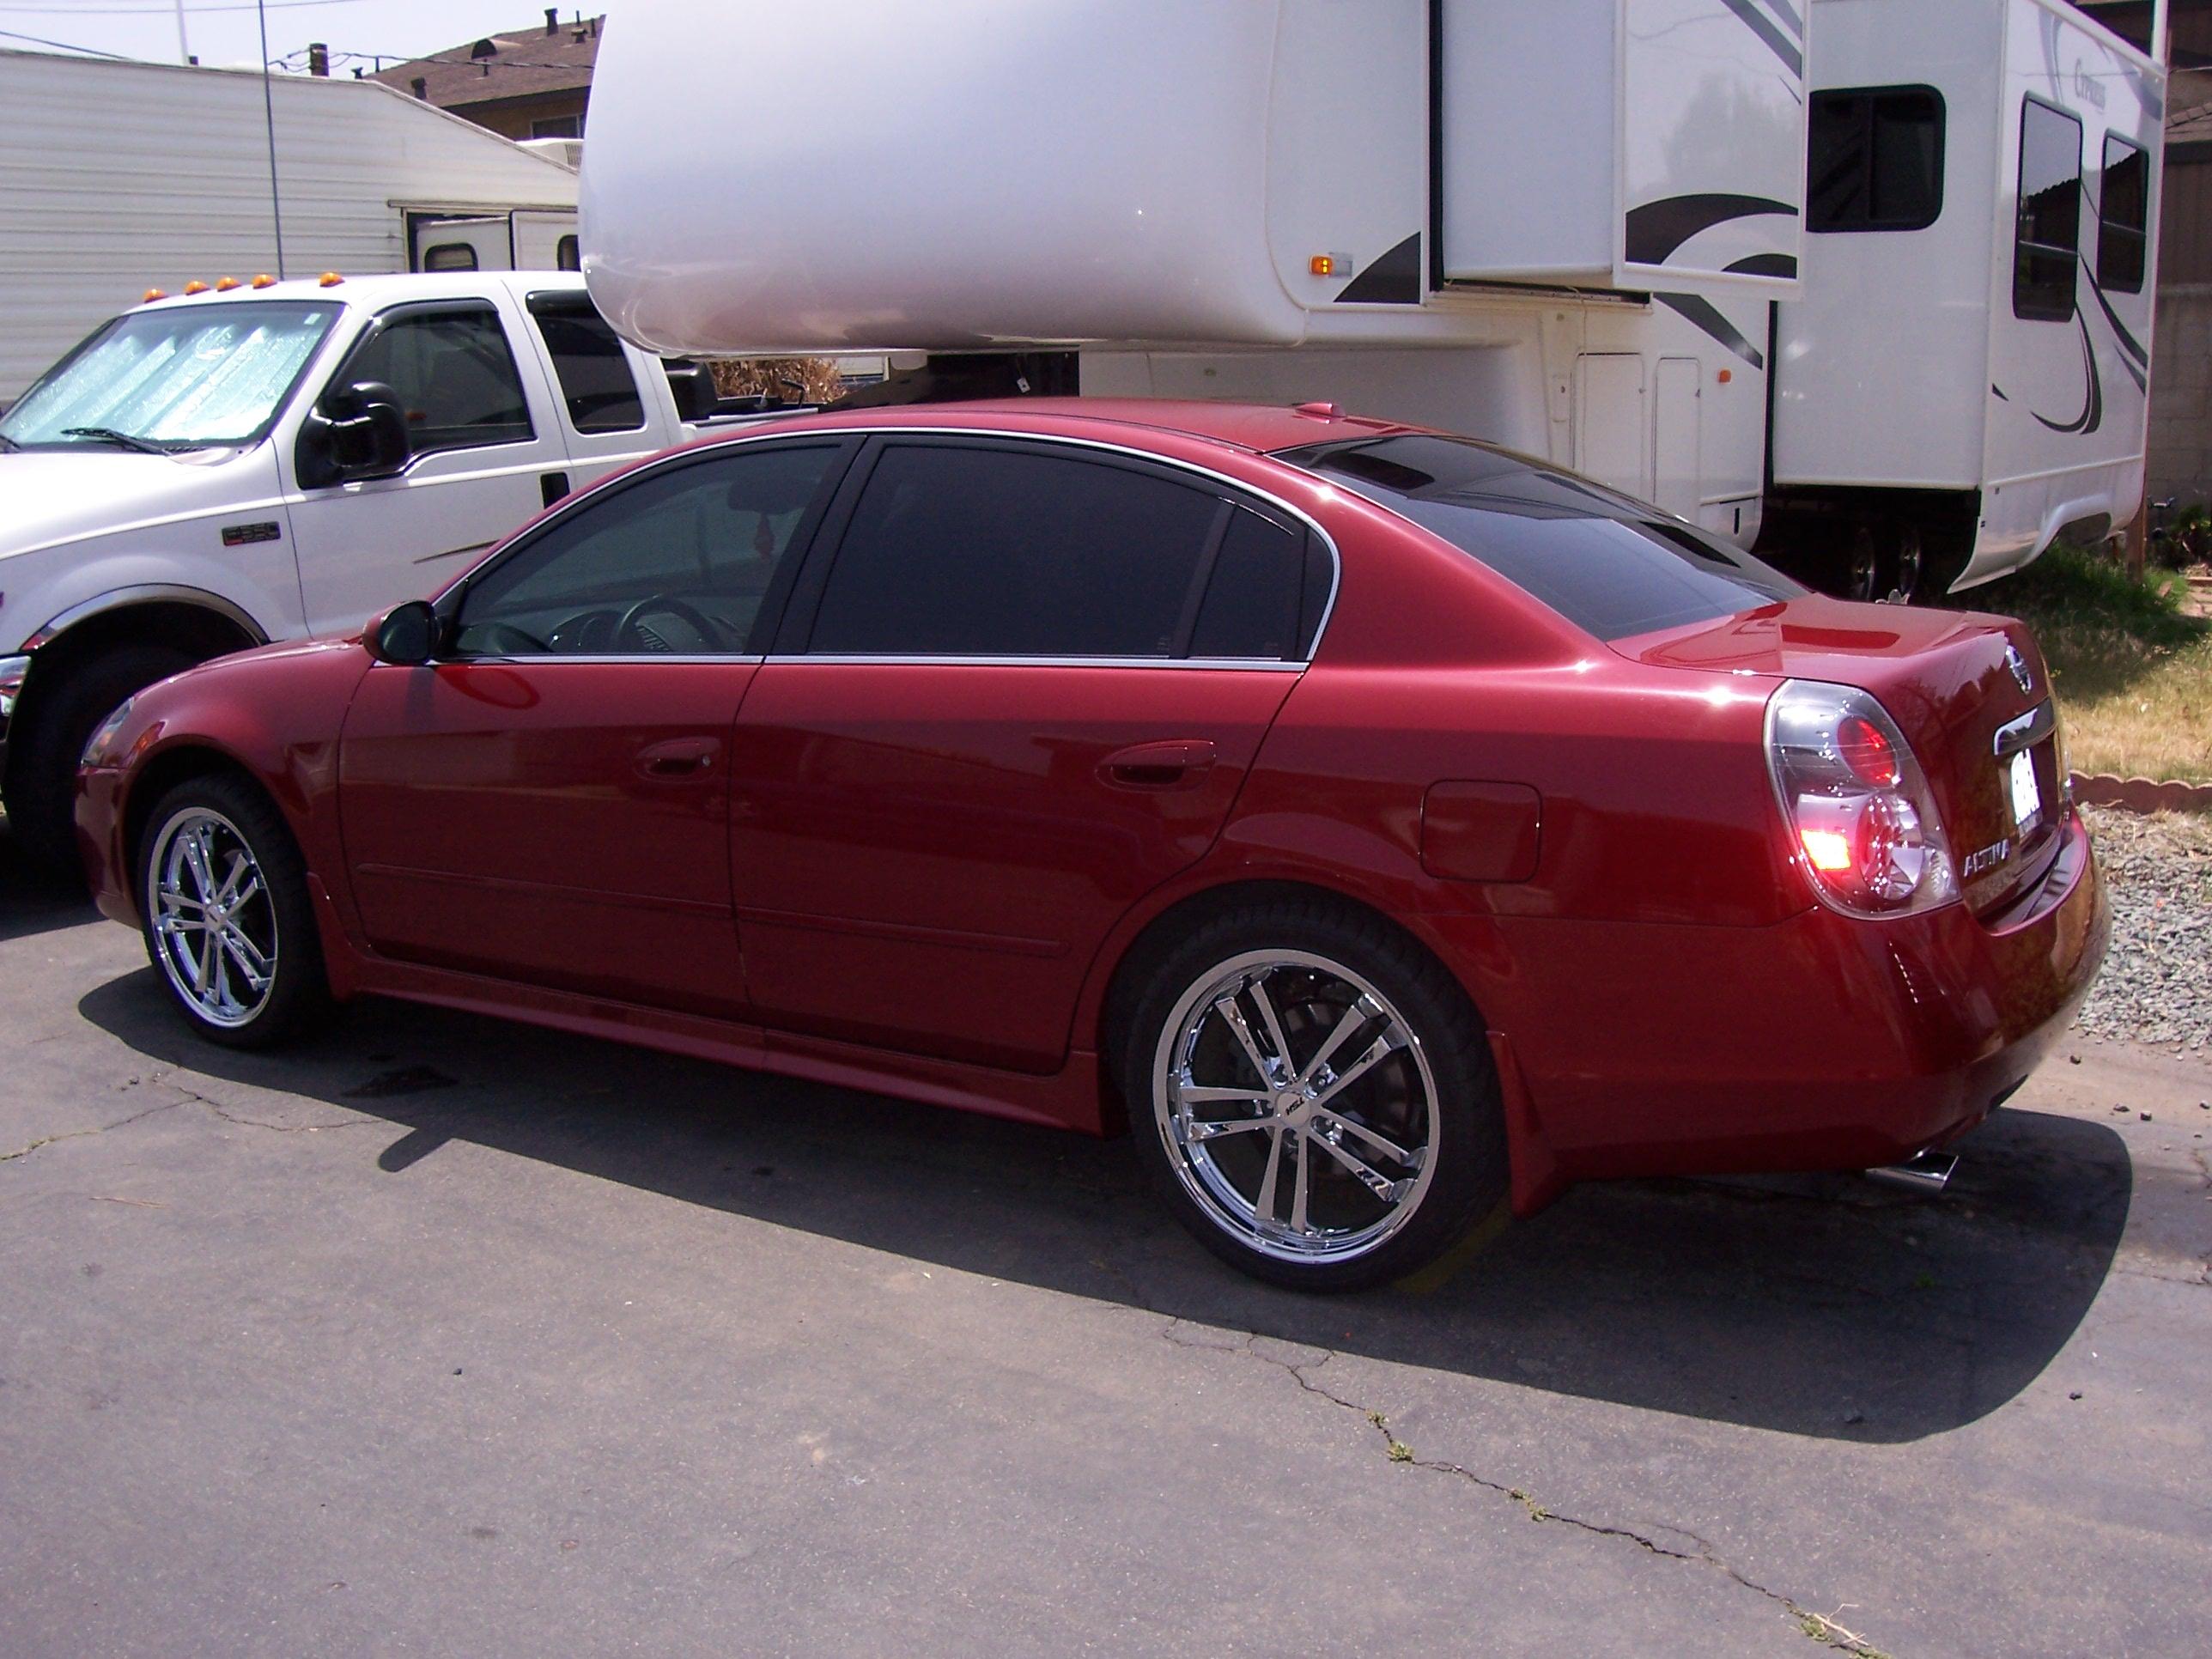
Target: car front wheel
x=229, y=922
x=1314, y=1097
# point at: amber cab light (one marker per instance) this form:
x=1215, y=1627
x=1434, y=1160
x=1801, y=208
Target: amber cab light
x=1862, y=820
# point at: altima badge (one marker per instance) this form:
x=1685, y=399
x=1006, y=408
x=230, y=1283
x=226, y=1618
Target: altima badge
x=2018, y=664
x=1989, y=857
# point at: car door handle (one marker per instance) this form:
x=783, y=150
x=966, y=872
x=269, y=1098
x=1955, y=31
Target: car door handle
x=677, y=757
x=1168, y=765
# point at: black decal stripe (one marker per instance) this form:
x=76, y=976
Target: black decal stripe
x=2128, y=343
x=1657, y=228
x=2093, y=402
x=1763, y=26
x=1764, y=264
x=1788, y=14
x=1998, y=391
x=1702, y=312
x=1393, y=280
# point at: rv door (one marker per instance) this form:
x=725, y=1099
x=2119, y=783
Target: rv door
x=459, y=244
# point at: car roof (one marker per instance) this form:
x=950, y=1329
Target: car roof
x=1260, y=428
x=380, y=290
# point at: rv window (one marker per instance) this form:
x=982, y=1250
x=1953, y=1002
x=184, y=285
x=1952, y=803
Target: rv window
x=569, y=254
x=1874, y=159
x=450, y=256
x=968, y=550
x=1611, y=566
x=2123, y=216
x=2049, y=235
x=596, y=382
x=452, y=375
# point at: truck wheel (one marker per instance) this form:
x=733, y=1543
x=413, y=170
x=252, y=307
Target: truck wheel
x=42, y=759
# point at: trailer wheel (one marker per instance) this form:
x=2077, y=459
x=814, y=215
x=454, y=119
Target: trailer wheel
x=1908, y=565
x=1862, y=564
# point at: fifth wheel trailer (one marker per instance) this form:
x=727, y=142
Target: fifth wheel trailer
x=1580, y=229
x=123, y=176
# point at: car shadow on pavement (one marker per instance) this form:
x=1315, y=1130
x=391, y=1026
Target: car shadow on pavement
x=32, y=901
x=1816, y=1305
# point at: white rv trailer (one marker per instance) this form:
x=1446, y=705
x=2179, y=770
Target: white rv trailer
x=122, y=176
x=1570, y=228
x=1966, y=369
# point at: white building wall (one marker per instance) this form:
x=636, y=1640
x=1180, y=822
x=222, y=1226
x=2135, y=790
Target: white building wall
x=119, y=176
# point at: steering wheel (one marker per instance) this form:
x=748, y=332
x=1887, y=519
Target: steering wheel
x=632, y=626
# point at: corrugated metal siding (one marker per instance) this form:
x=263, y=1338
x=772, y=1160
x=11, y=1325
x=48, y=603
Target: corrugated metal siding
x=117, y=177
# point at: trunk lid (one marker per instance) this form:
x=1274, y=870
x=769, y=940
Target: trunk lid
x=1969, y=690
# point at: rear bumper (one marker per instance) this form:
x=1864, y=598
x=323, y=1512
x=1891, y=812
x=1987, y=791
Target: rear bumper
x=1819, y=1043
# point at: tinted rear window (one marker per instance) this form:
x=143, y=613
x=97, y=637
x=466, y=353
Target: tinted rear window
x=1609, y=565
x=995, y=552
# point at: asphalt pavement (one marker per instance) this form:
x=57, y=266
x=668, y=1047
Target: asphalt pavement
x=443, y=1335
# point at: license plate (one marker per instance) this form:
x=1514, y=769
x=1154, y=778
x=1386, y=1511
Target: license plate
x=2026, y=798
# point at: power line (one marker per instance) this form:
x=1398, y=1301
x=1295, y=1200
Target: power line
x=166, y=10
x=63, y=45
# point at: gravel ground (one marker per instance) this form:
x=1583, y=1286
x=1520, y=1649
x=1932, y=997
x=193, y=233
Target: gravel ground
x=2156, y=986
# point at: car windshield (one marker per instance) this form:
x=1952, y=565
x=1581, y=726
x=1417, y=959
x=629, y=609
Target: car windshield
x=174, y=378
x=1610, y=565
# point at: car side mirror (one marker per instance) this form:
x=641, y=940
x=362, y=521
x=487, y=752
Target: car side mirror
x=406, y=634
x=693, y=386
x=358, y=432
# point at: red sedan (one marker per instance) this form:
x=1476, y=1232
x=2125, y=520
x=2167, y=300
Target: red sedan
x=1386, y=825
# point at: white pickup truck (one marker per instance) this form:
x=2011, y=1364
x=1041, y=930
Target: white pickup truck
x=275, y=459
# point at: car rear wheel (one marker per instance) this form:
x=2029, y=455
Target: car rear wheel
x=1314, y=1097
x=229, y=922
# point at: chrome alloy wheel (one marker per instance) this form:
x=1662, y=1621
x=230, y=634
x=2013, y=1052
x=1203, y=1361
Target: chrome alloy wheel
x=213, y=920
x=1296, y=1106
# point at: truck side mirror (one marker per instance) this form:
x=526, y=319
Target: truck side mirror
x=693, y=384
x=406, y=634
x=358, y=432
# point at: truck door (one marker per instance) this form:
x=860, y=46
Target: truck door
x=486, y=456
x=608, y=417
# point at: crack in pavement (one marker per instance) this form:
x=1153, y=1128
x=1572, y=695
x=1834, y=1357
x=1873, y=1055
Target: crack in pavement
x=190, y=1098
x=1819, y=1626
x=167, y=1080
x=98, y=1129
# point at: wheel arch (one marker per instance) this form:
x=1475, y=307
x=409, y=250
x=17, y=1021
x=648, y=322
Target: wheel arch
x=181, y=762
x=1145, y=939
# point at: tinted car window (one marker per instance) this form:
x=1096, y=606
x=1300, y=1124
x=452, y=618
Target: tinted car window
x=1251, y=603
x=1608, y=564
x=1874, y=159
x=964, y=551
x=596, y=383
x=2048, y=233
x=453, y=376
x=692, y=547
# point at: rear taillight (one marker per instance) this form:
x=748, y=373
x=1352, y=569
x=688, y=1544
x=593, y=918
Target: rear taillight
x=1862, y=825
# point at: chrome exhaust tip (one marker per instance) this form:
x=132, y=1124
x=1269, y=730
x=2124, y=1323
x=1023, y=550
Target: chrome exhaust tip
x=1923, y=1172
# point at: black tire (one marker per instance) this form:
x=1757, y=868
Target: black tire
x=1462, y=1175
x=42, y=762
x=280, y=920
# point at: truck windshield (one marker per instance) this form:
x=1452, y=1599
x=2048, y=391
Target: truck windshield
x=174, y=378
x=1610, y=565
